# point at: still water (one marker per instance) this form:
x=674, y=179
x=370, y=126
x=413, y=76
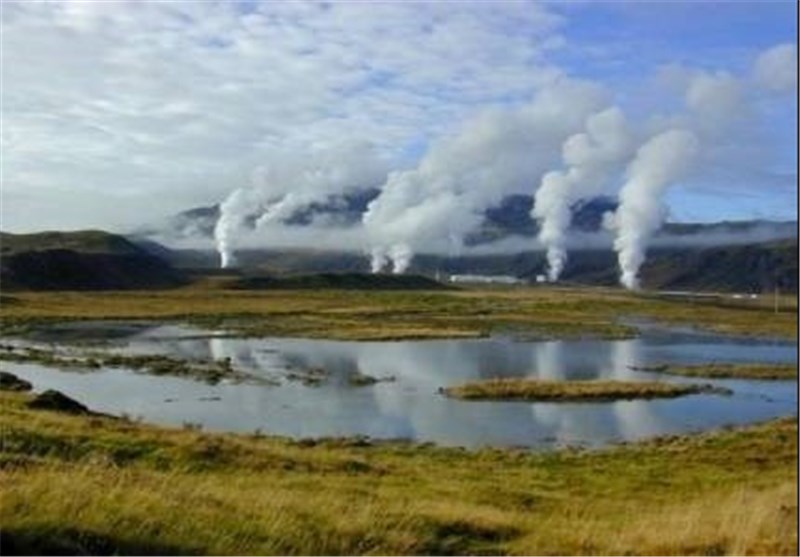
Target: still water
x=409, y=407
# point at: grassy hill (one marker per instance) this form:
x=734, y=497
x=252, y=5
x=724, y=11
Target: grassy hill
x=83, y=260
x=339, y=281
x=748, y=268
x=96, y=260
x=754, y=267
x=83, y=241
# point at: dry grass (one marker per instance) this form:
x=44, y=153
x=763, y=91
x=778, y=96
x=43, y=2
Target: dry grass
x=380, y=315
x=742, y=522
x=95, y=485
x=736, y=371
x=570, y=391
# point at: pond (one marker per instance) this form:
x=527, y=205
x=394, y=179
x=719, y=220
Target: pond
x=408, y=406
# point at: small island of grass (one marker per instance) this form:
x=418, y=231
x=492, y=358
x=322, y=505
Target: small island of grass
x=537, y=390
x=732, y=371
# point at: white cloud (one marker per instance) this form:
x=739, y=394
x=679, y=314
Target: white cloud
x=184, y=99
x=115, y=113
x=776, y=68
x=497, y=153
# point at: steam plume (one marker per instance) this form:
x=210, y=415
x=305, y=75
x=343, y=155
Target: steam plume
x=658, y=163
x=401, y=255
x=591, y=157
x=293, y=183
x=232, y=212
x=497, y=153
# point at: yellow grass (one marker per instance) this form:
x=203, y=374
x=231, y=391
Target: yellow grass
x=567, y=391
x=736, y=371
x=372, y=315
x=96, y=485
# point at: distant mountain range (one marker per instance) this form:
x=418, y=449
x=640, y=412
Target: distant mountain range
x=511, y=217
x=748, y=256
x=738, y=268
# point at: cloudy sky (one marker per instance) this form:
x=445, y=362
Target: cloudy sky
x=119, y=113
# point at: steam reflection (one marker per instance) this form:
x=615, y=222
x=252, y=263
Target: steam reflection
x=410, y=406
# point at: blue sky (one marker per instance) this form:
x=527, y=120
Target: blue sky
x=620, y=43
x=108, y=106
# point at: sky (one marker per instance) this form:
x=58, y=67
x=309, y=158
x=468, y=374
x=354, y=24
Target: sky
x=116, y=114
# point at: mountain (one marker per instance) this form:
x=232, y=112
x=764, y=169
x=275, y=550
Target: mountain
x=739, y=255
x=84, y=260
x=510, y=217
x=339, y=281
x=337, y=209
x=753, y=267
x=95, y=260
x=745, y=268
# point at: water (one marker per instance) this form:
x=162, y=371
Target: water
x=410, y=406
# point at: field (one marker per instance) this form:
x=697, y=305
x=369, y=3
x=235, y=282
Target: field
x=387, y=315
x=97, y=485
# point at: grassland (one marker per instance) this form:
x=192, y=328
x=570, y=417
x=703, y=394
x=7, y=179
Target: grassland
x=90, y=484
x=735, y=371
x=571, y=391
x=382, y=315
x=97, y=485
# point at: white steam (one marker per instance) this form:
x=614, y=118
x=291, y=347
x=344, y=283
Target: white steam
x=289, y=184
x=658, y=163
x=568, y=140
x=590, y=157
x=434, y=205
x=232, y=215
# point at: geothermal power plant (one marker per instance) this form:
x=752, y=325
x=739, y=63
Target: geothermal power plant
x=566, y=145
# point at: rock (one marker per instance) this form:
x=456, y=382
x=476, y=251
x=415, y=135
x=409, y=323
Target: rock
x=58, y=402
x=10, y=382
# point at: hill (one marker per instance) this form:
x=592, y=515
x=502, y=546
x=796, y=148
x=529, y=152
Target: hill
x=753, y=267
x=747, y=268
x=96, y=260
x=343, y=281
x=84, y=260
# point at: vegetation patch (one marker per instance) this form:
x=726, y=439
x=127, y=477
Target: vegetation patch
x=312, y=377
x=358, y=379
x=573, y=391
x=533, y=312
x=730, y=371
x=341, y=281
x=57, y=401
x=210, y=371
x=10, y=382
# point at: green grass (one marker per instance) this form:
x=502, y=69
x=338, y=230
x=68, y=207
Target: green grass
x=571, y=391
x=390, y=315
x=735, y=371
x=85, y=241
x=99, y=485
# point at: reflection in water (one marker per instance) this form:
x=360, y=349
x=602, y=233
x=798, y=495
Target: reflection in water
x=576, y=423
x=410, y=407
x=550, y=360
x=635, y=418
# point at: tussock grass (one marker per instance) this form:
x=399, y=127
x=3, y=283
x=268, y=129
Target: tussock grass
x=95, y=485
x=210, y=371
x=570, y=391
x=541, y=312
x=735, y=371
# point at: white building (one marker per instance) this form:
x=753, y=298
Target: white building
x=486, y=279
